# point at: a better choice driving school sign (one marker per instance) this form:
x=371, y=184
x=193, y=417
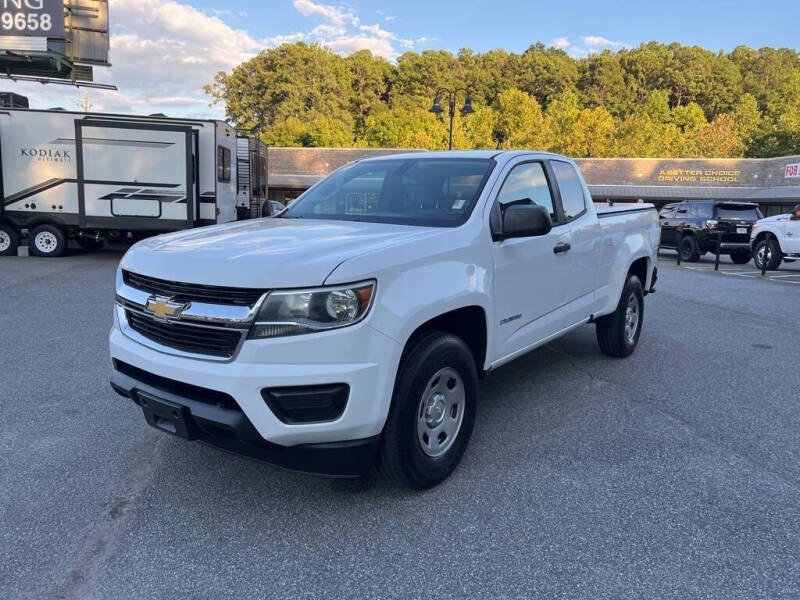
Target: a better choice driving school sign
x=40, y=18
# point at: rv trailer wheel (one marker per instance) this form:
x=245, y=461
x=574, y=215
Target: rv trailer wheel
x=9, y=240
x=47, y=240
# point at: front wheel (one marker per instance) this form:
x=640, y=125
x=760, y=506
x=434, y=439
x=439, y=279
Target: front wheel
x=432, y=413
x=770, y=252
x=618, y=333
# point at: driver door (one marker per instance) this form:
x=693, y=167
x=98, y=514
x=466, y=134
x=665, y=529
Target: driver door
x=530, y=279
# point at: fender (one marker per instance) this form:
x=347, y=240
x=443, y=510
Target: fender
x=415, y=285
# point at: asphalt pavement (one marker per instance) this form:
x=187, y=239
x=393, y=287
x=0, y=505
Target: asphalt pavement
x=671, y=474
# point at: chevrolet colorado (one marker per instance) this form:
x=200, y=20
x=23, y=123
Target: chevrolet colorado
x=353, y=328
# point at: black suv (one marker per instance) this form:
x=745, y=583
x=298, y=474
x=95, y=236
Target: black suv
x=691, y=227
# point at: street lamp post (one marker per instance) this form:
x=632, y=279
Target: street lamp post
x=451, y=101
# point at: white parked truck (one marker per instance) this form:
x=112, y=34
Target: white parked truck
x=776, y=239
x=353, y=327
x=92, y=176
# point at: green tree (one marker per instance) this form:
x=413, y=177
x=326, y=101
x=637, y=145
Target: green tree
x=651, y=100
x=746, y=119
x=292, y=80
x=519, y=122
x=602, y=82
x=544, y=72
x=562, y=116
x=371, y=79
x=593, y=133
x=405, y=129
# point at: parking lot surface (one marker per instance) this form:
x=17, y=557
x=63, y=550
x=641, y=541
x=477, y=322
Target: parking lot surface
x=789, y=272
x=671, y=474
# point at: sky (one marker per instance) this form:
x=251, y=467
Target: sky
x=164, y=51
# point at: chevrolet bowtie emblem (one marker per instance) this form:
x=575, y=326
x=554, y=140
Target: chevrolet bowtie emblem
x=162, y=307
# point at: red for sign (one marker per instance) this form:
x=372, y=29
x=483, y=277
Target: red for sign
x=792, y=170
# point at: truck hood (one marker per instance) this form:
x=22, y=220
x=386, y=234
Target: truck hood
x=268, y=253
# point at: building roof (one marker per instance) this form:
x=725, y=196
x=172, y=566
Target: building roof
x=759, y=179
x=666, y=192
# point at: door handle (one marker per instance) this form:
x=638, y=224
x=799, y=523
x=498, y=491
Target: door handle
x=561, y=247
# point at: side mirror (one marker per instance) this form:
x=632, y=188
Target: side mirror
x=524, y=220
x=796, y=213
x=266, y=209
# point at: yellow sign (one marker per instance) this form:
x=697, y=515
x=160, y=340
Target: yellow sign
x=699, y=176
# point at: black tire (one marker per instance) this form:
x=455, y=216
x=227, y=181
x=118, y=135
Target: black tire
x=774, y=255
x=689, y=249
x=402, y=457
x=90, y=244
x=47, y=240
x=741, y=257
x=612, y=331
x=9, y=240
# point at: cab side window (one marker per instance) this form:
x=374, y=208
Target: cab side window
x=573, y=200
x=527, y=182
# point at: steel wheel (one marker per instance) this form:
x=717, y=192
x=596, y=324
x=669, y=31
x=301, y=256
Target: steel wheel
x=631, y=317
x=5, y=241
x=45, y=242
x=763, y=254
x=440, y=412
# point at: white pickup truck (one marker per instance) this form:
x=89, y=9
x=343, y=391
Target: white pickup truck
x=352, y=329
x=783, y=244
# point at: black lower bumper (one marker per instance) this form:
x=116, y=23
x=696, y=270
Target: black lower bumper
x=231, y=430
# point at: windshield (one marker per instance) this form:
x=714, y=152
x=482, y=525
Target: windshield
x=433, y=192
x=741, y=213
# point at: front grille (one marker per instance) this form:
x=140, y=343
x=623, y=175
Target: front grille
x=188, y=292
x=187, y=338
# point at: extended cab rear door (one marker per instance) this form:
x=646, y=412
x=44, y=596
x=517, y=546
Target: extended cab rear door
x=584, y=230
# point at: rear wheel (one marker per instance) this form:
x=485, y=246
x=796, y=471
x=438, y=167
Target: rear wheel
x=433, y=411
x=688, y=249
x=741, y=257
x=47, y=240
x=770, y=252
x=9, y=240
x=618, y=333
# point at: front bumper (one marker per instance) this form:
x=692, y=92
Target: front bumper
x=229, y=429
x=359, y=356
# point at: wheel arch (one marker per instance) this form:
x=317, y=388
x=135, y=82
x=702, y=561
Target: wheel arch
x=467, y=323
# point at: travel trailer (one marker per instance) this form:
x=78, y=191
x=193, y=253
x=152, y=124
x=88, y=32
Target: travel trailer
x=89, y=177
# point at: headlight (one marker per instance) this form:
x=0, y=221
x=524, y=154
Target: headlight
x=316, y=309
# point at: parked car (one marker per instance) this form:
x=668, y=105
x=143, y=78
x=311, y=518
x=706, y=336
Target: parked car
x=353, y=327
x=784, y=243
x=691, y=227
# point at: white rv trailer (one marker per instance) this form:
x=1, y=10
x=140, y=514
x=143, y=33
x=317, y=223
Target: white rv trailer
x=251, y=177
x=68, y=175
